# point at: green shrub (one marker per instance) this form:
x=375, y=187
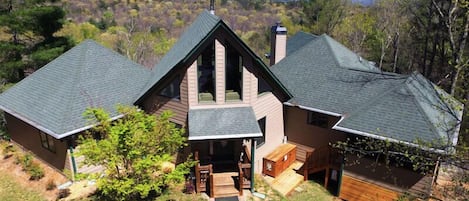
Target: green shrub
x=3, y=131
x=8, y=151
x=35, y=171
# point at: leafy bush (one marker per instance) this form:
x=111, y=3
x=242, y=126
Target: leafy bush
x=8, y=151
x=35, y=171
x=3, y=131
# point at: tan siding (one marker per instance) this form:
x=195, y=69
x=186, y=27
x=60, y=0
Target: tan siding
x=253, y=89
x=246, y=86
x=280, y=47
x=297, y=130
x=28, y=137
x=191, y=77
x=220, y=72
x=270, y=107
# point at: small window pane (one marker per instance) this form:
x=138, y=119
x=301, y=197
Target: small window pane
x=317, y=119
x=50, y=140
x=261, y=140
x=43, y=137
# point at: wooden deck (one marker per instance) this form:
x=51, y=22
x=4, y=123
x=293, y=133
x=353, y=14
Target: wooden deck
x=287, y=180
x=359, y=190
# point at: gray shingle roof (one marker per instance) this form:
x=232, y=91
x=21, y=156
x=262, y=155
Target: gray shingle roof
x=326, y=76
x=54, y=98
x=299, y=40
x=189, y=40
x=194, y=36
x=223, y=123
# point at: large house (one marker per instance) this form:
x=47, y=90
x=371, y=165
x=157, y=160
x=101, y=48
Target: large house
x=236, y=109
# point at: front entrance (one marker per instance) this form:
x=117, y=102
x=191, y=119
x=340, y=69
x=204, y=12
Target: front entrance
x=220, y=172
x=222, y=154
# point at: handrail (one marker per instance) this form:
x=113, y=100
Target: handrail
x=203, y=174
x=322, y=158
x=241, y=175
x=211, y=186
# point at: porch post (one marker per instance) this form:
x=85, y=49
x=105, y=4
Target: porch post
x=253, y=149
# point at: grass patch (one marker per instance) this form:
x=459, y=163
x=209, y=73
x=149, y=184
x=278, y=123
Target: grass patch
x=12, y=191
x=308, y=190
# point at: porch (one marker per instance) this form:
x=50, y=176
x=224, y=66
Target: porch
x=221, y=140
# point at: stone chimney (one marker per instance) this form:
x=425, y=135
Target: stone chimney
x=212, y=7
x=278, y=43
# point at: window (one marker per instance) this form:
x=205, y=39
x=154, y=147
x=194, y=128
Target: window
x=47, y=141
x=317, y=119
x=173, y=89
x=206, y=74
x=262, y=86
x=261, y=140
x=233, y=75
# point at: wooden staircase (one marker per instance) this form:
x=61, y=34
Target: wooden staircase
x=224, y=184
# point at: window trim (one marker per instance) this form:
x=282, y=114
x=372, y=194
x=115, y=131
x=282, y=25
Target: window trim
x=177, y=78
x=47, y=142
x=317, y=119
x=263, y=130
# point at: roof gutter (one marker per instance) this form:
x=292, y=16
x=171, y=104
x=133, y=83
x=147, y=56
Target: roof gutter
x=48, y=131
x=348, y=130
x=314, y=109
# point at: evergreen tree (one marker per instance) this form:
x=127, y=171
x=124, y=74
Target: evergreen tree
x=29, y=27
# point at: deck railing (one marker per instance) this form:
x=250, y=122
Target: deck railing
x=204, y=178
x=244, y=176
x=322, y=158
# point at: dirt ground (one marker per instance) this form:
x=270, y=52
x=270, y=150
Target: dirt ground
x=8, y=166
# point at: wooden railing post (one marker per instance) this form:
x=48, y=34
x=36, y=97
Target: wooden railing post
x=306, y=165
x=241, y=178
x=197, y=178
x=212, y=190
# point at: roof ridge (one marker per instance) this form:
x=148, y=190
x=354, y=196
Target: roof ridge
x=329, y=45
x=74, y=81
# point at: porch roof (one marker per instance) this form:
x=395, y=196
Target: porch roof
x=223, y=123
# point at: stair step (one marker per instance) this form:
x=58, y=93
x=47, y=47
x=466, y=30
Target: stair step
x=225, y=191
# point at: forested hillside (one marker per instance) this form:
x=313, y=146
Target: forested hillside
x=401, y=36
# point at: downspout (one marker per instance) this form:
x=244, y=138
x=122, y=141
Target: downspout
x=74, y=165
x=253, y=149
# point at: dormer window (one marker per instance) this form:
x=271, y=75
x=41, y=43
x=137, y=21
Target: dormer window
x=206, y=74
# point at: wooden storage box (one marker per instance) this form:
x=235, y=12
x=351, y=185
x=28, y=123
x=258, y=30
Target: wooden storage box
x=279, y=160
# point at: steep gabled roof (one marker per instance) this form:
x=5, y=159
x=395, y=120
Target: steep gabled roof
x=324, y=76
x=54, y=98
x=189, y=42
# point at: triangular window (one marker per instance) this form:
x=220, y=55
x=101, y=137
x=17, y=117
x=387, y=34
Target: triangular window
x=173, y=89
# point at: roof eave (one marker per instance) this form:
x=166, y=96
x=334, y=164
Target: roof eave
x=48, y=131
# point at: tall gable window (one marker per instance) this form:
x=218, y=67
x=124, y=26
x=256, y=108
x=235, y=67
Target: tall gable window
x=261, y=140
x=234, y=75
x=47, y=141
x=317, y=119
x=173, y=89
x=206, y=74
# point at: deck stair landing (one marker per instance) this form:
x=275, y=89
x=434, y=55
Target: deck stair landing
x=224, y=184
x=287, y=180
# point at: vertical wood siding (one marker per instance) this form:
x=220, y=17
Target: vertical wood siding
x=191, y=79
x=220, y=72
